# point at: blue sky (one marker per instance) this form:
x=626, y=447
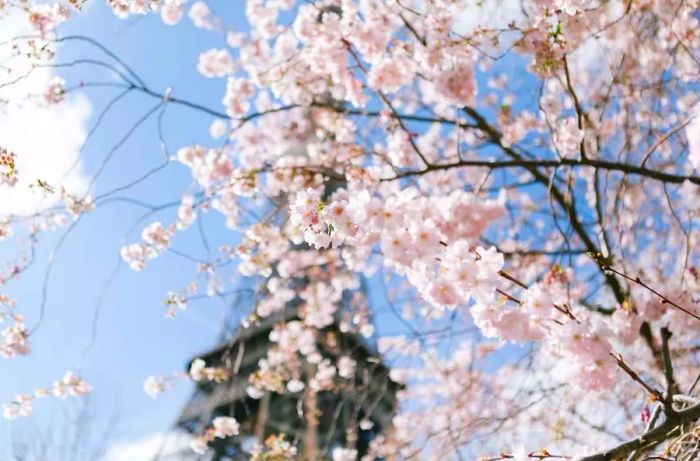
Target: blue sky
x=133, y=338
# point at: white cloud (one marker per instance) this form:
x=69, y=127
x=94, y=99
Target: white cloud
x=163, y=444
x=46, y=140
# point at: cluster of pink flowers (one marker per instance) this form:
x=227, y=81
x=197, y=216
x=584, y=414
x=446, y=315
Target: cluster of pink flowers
x=567, y=137
x=153, y=386
x=216, y=62
x=320, y=302
x=156, y=239
x=8, y=169
x=331, y=224
x=70, y=385
x=691, y=196
x=281, y=369
x=238, y=90
x=344, y=454
x=55, y=92
x=278, y=295
x=201, y=15
x=14, y=338
x=200, y=371
x=262, y=245
x=457, y=85
x=174, y=302
x=74, y=205
x=587, y=349
x=275, y=447
x=222, y=427
x=171, y=11
x=543, y=314
x=124, y=8
x=44, y=17
x=5, y=231
x=209, y=166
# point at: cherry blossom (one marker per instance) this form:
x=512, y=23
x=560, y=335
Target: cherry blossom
x=44, y=17
x=215, y=63
x=457, y=85
x=238, y=91
x=200, y=15
x=171, y=11
x=55, y=92
x=14, y=338
x=222, y=427
x=70, y=385
x=225, y=426
x=8, y=170
x=344, y=454
x=503, y=202
x=567, y=137
x=153, y=386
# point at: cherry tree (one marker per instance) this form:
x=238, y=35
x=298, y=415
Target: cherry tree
x=525, y=195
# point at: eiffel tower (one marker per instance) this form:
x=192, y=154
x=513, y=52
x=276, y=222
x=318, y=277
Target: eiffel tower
x=316, y=424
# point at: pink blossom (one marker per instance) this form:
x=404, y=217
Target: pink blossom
x=21, y=406
x=157, y=235
x=238, y=91
x=154, y=386
x=217, y=129
x=344, y=454
x=457, y=85
x=71, y=384
x=136, y=255
x=690, y=193
x=8, y=169
x=225, y=426
x=14, y=339
x=55, y=92
x=567, y=137
x=346, y=367
x=215, y=63
x=295, y=386
x=391, y=74
x=201, y=15
x=442, y=293
x=171, y=11
x=45, y=17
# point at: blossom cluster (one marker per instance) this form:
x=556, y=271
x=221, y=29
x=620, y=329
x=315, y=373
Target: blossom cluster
x=156, y=239
x=275, y=447
x=70, y=385
x=15, y=337
x=8, y=170
x=153, y=386
x=222, y=427
x=45, y=17
x=55, y=92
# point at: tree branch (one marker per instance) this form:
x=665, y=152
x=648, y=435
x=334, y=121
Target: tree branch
x=660, y=433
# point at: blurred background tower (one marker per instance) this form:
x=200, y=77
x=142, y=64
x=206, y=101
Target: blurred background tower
x=315, y=423
x=349, y=416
